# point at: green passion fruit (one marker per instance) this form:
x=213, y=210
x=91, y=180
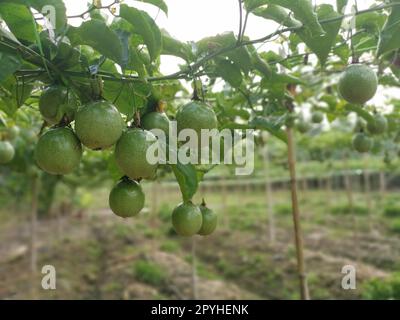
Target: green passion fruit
x=196, y=115
x=131, y=154
x=98, y=125
x=378, y=126
x=210, y=220
x=187, y=219
x=57, y=102
x=317, y=117
x=7, y=152
x=126, y=198
x=358, y=84
x=58, y=151
x=362, y=143
x=156, y=120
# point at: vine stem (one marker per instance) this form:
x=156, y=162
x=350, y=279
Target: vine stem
x=240, y=22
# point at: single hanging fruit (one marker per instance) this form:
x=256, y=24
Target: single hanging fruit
x=131, y=154
x=196, y=115
x=317, y=117
x=210, y=220
x=187, y=219
x=126, y=198
x=379, y=125
x=156, y=120
x=98, y=125
x=358, y=84
x=58, y=151
x=7, y=152
x=362, y=143
x=57, y=102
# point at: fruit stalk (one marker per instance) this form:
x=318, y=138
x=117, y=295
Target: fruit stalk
x=304, y=293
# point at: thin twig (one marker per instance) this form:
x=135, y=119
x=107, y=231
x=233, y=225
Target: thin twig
x=240, y=22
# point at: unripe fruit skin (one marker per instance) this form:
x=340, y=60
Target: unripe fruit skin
x=126, y=199
x=358, y=84
x=378, y=126
x=98, y=125
x=302, y=126
x=187, y=219
x=55, y=102
x=196, y=115
x=362, y=143
x=210, y=221
x=130, y=154
x=58, y=151
x=29, y=136
x=7, y=152
x=12, y=132
x=156, y=120
x=317, y=117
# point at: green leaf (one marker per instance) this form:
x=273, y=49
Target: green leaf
x=145, y=26
x=113, y=169
x=230, y=72
x=19, y=20
x=277, y=14
x=389, y=38
x=176, y=48
x=186, y=175
x=262, y=123
x=136, y=63
x=99, y=36
x=8, y=35
x=251, y=5
x=9, y=63
x=261, y=65
x=240, y=56
x=158, y=3
x=13, y=95
x=322, y=45
x=340, y=5
x=304, y=12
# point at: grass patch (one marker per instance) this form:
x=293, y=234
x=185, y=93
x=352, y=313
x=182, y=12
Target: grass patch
x=346, y=209
x=283, y=209
x=170, y=246
x=150, y=273
x=391, y=211
x=382, y=289
x=394, y=226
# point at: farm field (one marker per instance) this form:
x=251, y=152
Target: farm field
x=99, y=256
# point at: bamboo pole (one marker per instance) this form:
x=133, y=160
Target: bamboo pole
x=382, y=185
x=194, y=270
x=268, y=197
x=304, y=293
x=224, y=194
x=33, y=235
